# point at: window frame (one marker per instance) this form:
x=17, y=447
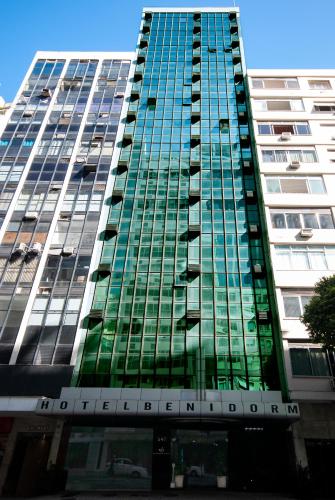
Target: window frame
x=305, y=178
x=311, y=361
x=292, y=125
x=284, y=80
x=327, y=87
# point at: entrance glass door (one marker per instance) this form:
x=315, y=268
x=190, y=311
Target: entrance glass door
x=200, y=457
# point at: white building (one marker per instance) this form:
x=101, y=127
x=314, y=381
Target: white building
x=3, y=110
x=294, y=124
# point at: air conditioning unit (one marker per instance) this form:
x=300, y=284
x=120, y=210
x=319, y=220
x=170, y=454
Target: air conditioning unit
x=253, y=229
x=294, y=165
x=263, y=316
x=104, y=268
x=60, y=135
x=258, y=269
x=35, y=249
x=112, y=228
x=64, y=121
x=68, y=251
x=96, y=314
x=46, y=93
x=332, y=383
x=21, y=249
x=119, y=94
x=81, y=159
x=193, y=268
x=28, y=114
x=30, y=216
x=250, y=196
x=194, y=228
x=285, y=136
x=90, y=167
x=306, y=232
x=56, y=187
x=193, y=314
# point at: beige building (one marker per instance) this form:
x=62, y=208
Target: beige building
x=294, y=125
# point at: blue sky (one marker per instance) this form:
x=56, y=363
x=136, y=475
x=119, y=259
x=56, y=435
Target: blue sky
x=282, y=34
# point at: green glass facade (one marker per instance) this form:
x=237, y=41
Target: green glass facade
x=182, y=297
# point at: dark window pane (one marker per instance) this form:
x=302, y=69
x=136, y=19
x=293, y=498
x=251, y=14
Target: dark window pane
x=300, y=362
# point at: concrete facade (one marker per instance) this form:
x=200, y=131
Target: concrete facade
x=300, y=221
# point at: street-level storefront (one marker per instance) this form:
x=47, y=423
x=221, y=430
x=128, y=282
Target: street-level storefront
x=143, y=439
x=179, y=454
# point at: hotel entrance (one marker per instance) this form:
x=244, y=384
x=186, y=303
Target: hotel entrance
x=199, y=458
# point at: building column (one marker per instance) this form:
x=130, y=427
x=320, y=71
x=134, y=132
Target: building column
x=55, y=443
x=299, y=447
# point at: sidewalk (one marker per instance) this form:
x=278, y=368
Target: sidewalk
x=164, y=495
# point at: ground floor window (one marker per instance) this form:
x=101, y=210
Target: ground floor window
x=108, y=458
x=200, y=456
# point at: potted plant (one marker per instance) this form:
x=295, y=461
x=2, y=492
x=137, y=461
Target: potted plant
x=179, y=475
x=221, y=474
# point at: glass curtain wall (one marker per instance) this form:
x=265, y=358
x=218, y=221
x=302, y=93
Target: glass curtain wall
x=182, y=298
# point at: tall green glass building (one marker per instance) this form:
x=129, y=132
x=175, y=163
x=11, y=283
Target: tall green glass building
x=178, y=377
x=182, y=298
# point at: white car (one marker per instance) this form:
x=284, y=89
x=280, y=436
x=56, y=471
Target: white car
x=125, y=467
x=195, y=471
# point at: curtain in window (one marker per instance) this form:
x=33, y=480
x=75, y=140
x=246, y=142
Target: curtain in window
x=299, y=260
x=317, y=260
x=300, y=362
x=319, y=362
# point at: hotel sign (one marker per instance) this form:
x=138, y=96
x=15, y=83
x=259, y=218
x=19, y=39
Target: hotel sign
x=197, y=409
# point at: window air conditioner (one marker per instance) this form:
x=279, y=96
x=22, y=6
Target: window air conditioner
x=119, y=94
x=35, y=249
x=306, y=232
x=285, y=136
x=294, y=165
x=64, y=121
x=30, y=216
x=68, y=251
x=258, y=269
x=81, y=159
x=56, y=187
x=194, y=268
x=90, y=167
x=96, y=314
x=46, y=93
x=21, y=249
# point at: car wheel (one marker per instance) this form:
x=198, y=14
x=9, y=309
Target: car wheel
x=194, y=473
x=135, y=474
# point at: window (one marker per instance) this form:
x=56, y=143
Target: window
x=289, y=155
x=319, y=84
x=302, y=218
x=295, y=302
x=311, y=362
x=275, y=83
x=310, y=185
x=303, y=257
x=278, y=105
x=324, y=107
x=295, y=128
